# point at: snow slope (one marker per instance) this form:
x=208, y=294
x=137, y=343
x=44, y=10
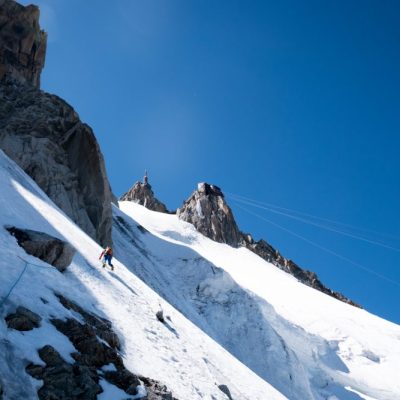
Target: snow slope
x=307, y=344
x=178, y=354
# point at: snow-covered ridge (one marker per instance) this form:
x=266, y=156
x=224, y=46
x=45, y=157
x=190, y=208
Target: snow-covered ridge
x=307, y=344
x=178, y=354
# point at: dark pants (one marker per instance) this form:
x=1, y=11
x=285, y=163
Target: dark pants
x=108, y=258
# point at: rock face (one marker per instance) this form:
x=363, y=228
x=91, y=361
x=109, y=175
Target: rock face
x=23, y=320
x=48, y=248
x=46, y=138
x=22, y=43
x=43, y=134
x=208, y=211
x=142, y=194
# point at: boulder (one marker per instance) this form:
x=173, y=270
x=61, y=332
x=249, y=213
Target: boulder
x=49, y=249
x=23, y=43
x=23, y=319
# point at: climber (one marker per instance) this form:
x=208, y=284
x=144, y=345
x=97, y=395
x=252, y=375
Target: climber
x=107, y=255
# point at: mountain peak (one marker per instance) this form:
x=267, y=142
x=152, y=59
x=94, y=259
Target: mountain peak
x=142, y=193
x=23, y=43
x=211, y=215
x=208, y=211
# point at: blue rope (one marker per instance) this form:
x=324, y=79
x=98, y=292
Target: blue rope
x=36, y=265
x=13, y=286
x=27, y=263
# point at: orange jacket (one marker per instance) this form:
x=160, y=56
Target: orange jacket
x=106, y=252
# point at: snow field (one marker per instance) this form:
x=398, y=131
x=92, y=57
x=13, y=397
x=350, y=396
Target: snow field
x=178, y=353
x=333, y=349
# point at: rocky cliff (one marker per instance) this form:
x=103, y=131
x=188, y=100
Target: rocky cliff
x=209, y=212
x=44, y=134
x=142, y=193
x=22, y=43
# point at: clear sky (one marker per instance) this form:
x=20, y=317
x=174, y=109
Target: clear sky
x=291, y=103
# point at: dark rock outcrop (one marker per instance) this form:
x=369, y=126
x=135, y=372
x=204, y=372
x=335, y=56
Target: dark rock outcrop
x=101, y=326
x=23, y=319
x=90, y=351
x=50, y=249
x=224, y=389
x=22, y=43
x=142, y=194
x=97, y=346
x=63, y=381
x=208, y=211
x=43, y=134
x=156, y=390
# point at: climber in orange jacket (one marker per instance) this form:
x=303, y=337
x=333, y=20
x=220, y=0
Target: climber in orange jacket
x=107, y=255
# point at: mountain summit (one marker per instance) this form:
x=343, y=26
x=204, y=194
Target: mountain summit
x=208, y=211
x=211, y=215
x=142, y=193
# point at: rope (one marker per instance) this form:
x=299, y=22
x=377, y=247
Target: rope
x=354, y=263
x=13, y=286
x=36, y=265
x=27, y=263
x=239, y=197
x=386, y=246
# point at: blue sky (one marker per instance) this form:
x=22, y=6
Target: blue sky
x=290, y=103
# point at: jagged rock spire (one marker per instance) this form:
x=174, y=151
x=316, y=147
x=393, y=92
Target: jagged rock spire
x=22, y=43
x=209, y=212
x=142, y=194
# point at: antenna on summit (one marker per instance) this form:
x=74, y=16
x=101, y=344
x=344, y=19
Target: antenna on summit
x=145, y=178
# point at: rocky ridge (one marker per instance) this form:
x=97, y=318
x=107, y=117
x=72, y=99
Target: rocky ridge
x=209, y=212
x=43, y=134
